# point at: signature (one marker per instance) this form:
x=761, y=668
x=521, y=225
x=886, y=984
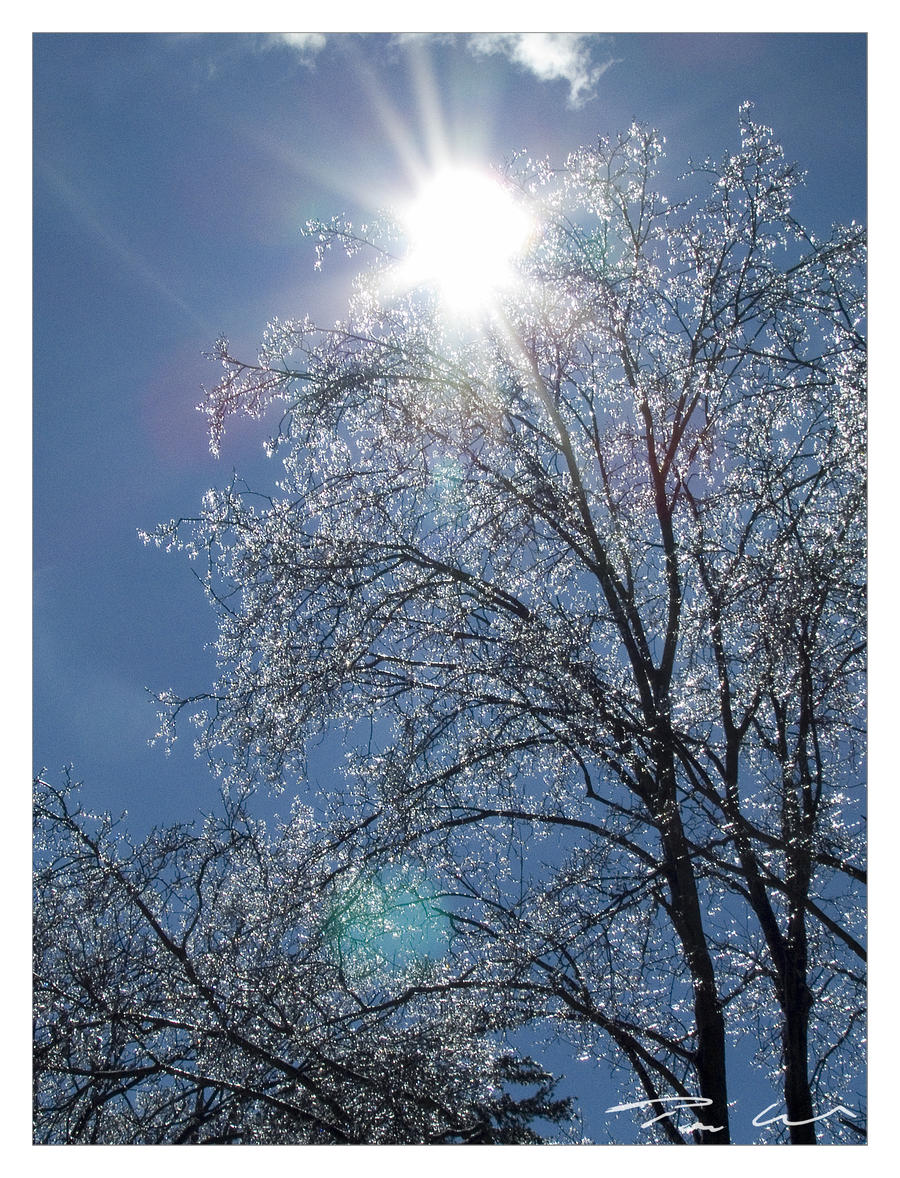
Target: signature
x=680, y=1103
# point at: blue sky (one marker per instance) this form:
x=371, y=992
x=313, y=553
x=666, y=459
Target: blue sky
x=172, y=174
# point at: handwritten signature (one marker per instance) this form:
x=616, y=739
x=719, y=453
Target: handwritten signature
x=681, y=1103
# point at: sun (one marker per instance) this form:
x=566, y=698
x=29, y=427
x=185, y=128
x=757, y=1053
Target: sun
x=466, y=231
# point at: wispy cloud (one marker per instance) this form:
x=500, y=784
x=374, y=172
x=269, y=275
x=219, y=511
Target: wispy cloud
x=305, y=45
x=551, y=57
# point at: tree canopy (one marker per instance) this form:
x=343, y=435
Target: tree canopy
x=227, y=985
x=581, y=579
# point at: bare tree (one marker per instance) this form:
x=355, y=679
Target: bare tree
x=585, y=585
x=225, y=985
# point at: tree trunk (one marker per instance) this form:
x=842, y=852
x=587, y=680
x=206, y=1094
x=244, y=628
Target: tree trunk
x=710, y=1023
x=797, y=1096
x=797, y=1002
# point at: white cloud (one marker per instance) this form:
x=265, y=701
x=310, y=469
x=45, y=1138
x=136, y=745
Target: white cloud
x=550, y=57
x=305, y=45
